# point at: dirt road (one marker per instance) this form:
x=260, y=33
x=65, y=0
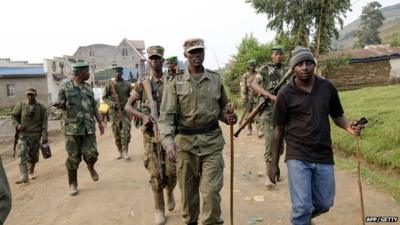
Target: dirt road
x=122, y=195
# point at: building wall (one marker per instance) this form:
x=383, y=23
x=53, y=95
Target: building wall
x=395, y=70
x=361, y=74
x=21, y=84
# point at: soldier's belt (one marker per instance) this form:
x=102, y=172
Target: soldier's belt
x=198, y=130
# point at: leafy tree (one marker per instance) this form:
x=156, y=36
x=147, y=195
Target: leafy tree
x=371, y=20
x=303, y=20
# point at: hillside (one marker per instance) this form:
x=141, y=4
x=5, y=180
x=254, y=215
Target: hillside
x=389, y=30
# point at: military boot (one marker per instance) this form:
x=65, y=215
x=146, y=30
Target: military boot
x=73, y=182
x=31, y=170
x=268, y=184
x=249, y=129
x=23, y=169
x=93, y=173
x=125, y=152
x=170, y=199
x=119, y=146
x=159, y=213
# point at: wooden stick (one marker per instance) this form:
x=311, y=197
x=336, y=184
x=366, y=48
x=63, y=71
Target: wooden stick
x=359, y=179
x=232, y=169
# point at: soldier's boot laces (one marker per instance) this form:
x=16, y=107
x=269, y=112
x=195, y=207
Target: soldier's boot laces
x=93, y=173
x=119, y=152
x=31, y=170
x=268, y=184
x=159, y=213
x=24, y=178
x=125, y=152
x=170, y=199
x=73, y=182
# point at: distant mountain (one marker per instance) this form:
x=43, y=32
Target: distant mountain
x=389, y=30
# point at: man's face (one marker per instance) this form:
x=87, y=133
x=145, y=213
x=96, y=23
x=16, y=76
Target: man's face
x=252, y=67
x=195, y=57
x=84, y=74
x=276, y=57
x=172, y=65
x=31, y=97
x=304, y=70
x=117, y=74
x=156, y=62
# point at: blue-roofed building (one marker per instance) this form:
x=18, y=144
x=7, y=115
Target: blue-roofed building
x=14, y=80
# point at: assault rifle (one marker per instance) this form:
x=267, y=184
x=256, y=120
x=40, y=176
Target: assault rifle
x=114, y=95
x=16, y=136
x=261, y=106
x=249, y=107
x=154, y=117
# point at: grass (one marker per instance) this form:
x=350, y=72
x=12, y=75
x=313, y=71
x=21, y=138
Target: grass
x=4, y=112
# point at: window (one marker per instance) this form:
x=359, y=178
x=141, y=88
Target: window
x=54, y=66
x=137, y=66
x=93, y=67
x=124, y=52
x=91, y=53
x=11, y=90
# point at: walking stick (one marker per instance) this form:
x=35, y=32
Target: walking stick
x=232, y=169
x=362, y=121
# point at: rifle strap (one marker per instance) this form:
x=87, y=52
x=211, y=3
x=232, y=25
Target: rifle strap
x=113, y=90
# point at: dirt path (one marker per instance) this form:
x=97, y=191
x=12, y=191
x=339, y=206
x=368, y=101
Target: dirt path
x=122, y=195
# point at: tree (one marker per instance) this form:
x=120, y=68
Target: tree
x=371, y=20
x=303, y=20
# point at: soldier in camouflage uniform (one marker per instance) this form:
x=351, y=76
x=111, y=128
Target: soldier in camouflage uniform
x=30, y=120
x=116, y=94
x=246, y=91
x=151, y=155
x=193, y=104
x=5, y=195
x=267, y=78
x=76, y=99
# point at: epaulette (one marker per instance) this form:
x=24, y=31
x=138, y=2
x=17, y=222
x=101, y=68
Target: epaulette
x=213, y=72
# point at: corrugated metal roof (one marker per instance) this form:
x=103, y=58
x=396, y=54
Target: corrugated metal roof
x=10, y=71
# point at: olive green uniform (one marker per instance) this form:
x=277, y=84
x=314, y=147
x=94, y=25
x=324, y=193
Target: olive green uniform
x=247, y=94
x=121, y=121
x=189, y=105
x=151, y=157
x=5, y=195
x=34, y=118
x=78, y=123
x=269, y=75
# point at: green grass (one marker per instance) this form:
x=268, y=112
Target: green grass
x=4, y=112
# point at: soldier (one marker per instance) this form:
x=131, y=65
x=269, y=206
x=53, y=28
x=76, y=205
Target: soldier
x=5, y=195
x=151, y=154
x=193, y=104
x=116, y=94
x=30, y=120
x=246, y=91
x=76, y=99
x=173, y=67
x=266, y=79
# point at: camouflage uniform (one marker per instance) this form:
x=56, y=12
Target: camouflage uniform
x=189, y=104
x=5, y=195
x=121, y=121
x=247, y=94
x=78, y=126
x=269, y=75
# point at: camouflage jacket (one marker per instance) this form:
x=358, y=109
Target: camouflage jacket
x=34, y=117
x=78, y=117
x=270, y=75
x=123, y=90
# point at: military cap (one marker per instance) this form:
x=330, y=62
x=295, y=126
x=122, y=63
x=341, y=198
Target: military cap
x=277, y=48
x=31, y=90
x=251, y=61
x=193, y=43
x=80, y=66
x=155, y=50
x=172, y=59
x=118, y=69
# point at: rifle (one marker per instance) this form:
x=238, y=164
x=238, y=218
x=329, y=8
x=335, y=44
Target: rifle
x=261, y=106
x=154, y=114
x=249, y=107
x=114, y=95
x=16, y=136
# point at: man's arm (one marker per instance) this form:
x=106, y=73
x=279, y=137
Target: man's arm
x=350, y=126
x=16, y=115
x=130, y=109
x=274, y=171
x=44, y=124
x=107, y=95
x=256, y=85
x=227, y=114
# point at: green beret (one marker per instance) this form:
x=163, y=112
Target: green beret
x=172, y=59
x=251, y=61
x=277, y=48
x=80, y=66
x=118, y=69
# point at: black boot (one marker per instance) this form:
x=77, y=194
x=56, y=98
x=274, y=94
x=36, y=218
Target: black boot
x=93, y=173
x=73, y=181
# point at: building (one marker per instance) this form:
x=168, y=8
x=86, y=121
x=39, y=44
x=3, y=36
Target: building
x=14, y=80
x=373, y=65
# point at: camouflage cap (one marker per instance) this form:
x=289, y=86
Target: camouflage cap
x=118, y=69
x=251, y=62
x=155, y=50
x=172, y=59
x=277, y=48
x=31, y=90
x=80, y=65
x=193, y=43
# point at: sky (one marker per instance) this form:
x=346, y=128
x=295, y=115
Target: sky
x=37, y=29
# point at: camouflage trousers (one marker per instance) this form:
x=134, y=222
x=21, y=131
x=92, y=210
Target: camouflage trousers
x=28, y=146
x=152, y=164
x=268, y=126
x=121, y=127
x=204, y=173
x=78, y=147
x=5, y=195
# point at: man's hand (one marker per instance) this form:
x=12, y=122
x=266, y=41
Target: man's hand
x=21, y=127
x=273, y=173
x=171, y=153
x=230, y=116
x=355, y=128
x=147, y=120
x=101, y=128
x=61, y=105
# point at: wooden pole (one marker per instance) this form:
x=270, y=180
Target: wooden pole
x=232, y=169
x=359, y=179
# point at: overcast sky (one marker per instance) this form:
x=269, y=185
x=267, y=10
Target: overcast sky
x=36, y=29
